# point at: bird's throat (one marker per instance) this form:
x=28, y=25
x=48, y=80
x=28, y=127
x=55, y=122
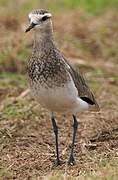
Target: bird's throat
x=43, y=42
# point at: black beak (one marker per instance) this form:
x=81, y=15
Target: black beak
x=30, y=27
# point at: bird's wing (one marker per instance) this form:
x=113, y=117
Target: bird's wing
x=84, y=91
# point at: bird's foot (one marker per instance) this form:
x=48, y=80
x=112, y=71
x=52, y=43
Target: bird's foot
x=71, y=160
x=56, y=163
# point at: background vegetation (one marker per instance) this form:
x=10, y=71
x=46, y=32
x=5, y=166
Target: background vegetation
x=86, y=31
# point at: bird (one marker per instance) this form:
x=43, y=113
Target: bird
x=53, y=81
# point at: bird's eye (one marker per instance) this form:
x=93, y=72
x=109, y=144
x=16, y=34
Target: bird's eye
x=44, y=18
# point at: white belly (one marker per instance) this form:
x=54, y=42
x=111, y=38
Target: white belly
x=59, y=99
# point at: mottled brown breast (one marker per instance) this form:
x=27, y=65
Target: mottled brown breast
x=48, y=70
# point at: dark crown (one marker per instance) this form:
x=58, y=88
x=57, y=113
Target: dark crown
x=39, y=11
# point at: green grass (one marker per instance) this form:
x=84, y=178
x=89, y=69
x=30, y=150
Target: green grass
x=5, y=174
x=90, y=6
x=14, y=109
x=9, y=79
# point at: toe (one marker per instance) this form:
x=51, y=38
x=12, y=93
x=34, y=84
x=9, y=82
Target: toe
x=71, y=161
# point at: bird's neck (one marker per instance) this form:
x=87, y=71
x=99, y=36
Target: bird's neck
x=43, y=42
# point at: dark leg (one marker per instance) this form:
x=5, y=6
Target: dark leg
x=55, y=128
x=75, y=125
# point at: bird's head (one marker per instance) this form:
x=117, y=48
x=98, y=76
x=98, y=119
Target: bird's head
x=39, y=20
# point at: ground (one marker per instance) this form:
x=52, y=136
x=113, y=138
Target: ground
x=27, y=144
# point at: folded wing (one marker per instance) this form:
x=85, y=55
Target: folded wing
x=84, y=91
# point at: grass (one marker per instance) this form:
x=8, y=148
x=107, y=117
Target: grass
x=90, y=6
x=5, y=173
x=9, y=79
x=13, y=110
x=104, y=172
x=86, y=32
x=93, y=7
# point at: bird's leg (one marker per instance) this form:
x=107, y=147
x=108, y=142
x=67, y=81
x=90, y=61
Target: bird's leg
x=75, y=126
x=55, y=129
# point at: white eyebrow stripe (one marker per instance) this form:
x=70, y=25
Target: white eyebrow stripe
x=40, y=15
x=46, y=14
